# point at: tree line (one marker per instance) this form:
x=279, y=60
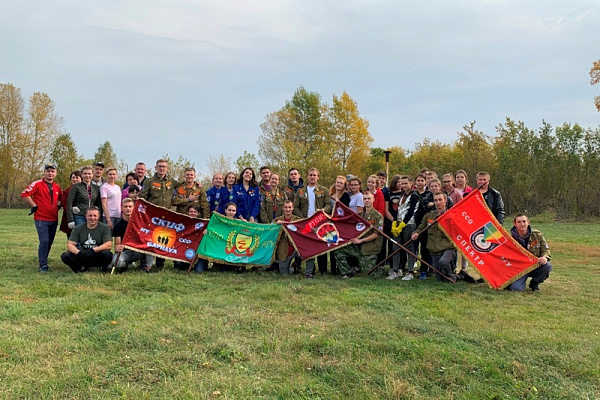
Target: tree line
x=547, y=169
x=552, y=170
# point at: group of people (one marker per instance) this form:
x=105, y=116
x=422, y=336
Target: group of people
x=96, y=211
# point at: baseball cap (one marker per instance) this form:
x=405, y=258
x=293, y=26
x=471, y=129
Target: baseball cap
x=51, y=165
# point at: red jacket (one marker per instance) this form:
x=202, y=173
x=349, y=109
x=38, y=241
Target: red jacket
x=47, y=208
x=379, y=202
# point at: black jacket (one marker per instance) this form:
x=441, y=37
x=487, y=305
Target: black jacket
x=493, y=199
x=426, y=198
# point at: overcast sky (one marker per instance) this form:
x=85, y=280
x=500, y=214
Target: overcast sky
x=197, y=78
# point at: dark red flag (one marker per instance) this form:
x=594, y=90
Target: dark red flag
x=321, y=234
x=165, y=233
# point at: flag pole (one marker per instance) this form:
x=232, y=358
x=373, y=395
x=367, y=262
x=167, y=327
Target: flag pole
x=401, y=247
x=387, y=165
x=192, y=263
x=115, y=263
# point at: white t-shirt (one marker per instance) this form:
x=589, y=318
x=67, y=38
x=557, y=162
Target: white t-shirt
x=112, y=194
x=311, y=200
x=356, y=200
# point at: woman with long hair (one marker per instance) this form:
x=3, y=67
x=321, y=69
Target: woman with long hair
x=217, y=193
x=462, y=182
x=74, y=178
x=272, y=204
x=110, y=198
x=356, y=197
x=393, y=200
x=132, y=180
x=450, y=188
x=339, y=192
x=230, y=179
x=247, y=195
x=434, y=186
x=463, y=188
x=379, y=201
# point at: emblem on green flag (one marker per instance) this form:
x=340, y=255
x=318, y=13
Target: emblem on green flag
x=237, y=242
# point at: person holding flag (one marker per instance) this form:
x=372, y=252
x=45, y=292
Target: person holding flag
x=403, y=227
x=193, y=210
x=443, y=253
x=308, y=201
x=285, y=249
x=158, y=190
x=124, y=257
x=533, y=241
x=366, y=248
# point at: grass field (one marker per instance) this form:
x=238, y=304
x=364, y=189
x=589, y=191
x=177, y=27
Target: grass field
x=258, y=335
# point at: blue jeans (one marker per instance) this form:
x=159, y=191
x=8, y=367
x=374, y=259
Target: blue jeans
x=79, y=219
x=46, y=231
x=539, y=275
x=199, y=267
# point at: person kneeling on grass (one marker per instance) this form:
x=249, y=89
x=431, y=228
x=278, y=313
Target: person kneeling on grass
x=533, y=241
x=126, y=256
x=89, y=244
x=366, y=248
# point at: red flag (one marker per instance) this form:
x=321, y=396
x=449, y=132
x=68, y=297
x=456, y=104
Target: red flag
x=156, y=230
x=321, y=234
x=479, y=236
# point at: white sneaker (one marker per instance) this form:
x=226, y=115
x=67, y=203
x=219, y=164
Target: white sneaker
x=393, y=275
x=408, y=277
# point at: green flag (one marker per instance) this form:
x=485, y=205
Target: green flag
x=237, y=242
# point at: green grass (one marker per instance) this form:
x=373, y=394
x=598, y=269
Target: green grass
x=258, y=335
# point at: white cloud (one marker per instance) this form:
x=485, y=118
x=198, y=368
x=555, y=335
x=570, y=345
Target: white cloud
x=231, y=24
x=146, y=69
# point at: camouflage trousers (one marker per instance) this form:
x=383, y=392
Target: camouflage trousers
x=342, y=255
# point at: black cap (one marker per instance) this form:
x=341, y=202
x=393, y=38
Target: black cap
x=99, y=164
x=53, y=166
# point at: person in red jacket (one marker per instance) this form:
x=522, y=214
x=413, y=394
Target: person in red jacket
x=43, y=196
x=373, y=186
